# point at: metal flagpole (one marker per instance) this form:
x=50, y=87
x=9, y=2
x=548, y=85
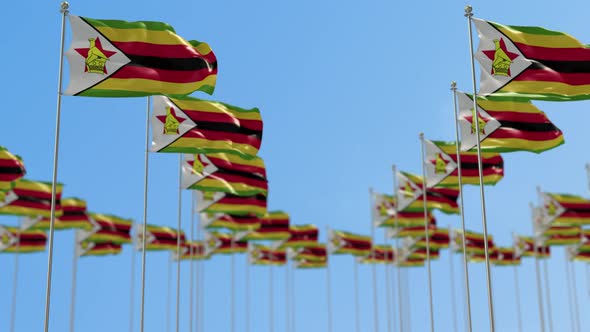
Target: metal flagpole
x=393, y=306
x=293, y=301
x=15, y=283
x=469, y=15
x=145, y=211
x=356, y=296
x=452, y=277
x=426, y=235
x=64, y=11
x=538, y=273
x=271, y=300
x=408, y=300
x=329, y=288
x=169, y=296
x=517, y=293
x=387, y=291
x=548, y=297
x=192, y=266
x=233, y=288
x=197, y=267
x=461, y=210
x=247, y=297
x=178, y=243
x=397, y=252
x=287, y=304
x=132, y=283
x=588, y=278
x=569, y=296
x=74, y=282
x=374, y=268
x=572, y=274
x=202, y=297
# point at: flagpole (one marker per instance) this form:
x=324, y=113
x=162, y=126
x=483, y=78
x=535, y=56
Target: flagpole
x=202, y=297
x=469, y=15
x=74, y=283
x=452, y=277
x=329, y=288
x=537, y=272
x=426, y=235
x=247, y=297
x=461, y=209
x=571, y=273
x=64, y=11
x=132, y=284
x=397, y=251
x=373, y=267
x=145, y=211
x=271, y=300
x=408, y=299
x=356, y=296
x=293, y=300
x=548, y=297
x=387, y=291
x=15, y=282
x=178, y=243
x=517, y=294
x=569, y=296
x=233, y=288
x=192, y=265
x=169, y=296
x=287, y=305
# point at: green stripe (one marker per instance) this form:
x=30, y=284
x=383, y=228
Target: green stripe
x=509, y=149
x=538, y=96
x=118, y=24
x=193, y=150
x=529, y=30
x=251, y=192
x=127, y=93
x=231, y=107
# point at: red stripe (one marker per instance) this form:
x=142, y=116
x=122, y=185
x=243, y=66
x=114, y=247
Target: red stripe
x=237, y=179
x=242, y=201
x=519, y=117
x=541, y=75
x=199, y=116
x=472, y=159
x=225, y=164
x=470, y=172
x=158, y=50
x=163, y=75
x=556, y=54
x=33, y=205
x=223, y=136
x=504, y=132
x=10, y=177
x=35, y=194
x=576, y=206
x=11, y=163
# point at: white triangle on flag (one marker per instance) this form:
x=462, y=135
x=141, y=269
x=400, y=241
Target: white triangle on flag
x=467, y=124
x=438, y=164
x=500, y=60
x=149, y=237
x=550, y=211
x=407, y=191
x=169, y=122
x=7, y=197
x=212, y=242
x=195, y=171
x=206, y=199
x=7, y=239
x=92, y=57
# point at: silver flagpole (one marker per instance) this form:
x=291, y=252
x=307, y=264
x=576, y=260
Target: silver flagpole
x=461, y=210
x=588, y=278
x=374, y=268
x=233, y=288
x=426, y=235
x=397, y=251
x=387, y=290
x=408, y=299
x=271, y=300
x=356, y=296
x=538, y=273
x=469, y=15
x=178, y=243
x=517, y=293
x=64, y=10
x=572, y=273
x=287, y=305
x=192, y=266
x=202, y=297
x=145, y=211
x=15, y=282
x=569, y=296
x=548, y=297
x=329, y=288
x=293, y=301
x=452, y=277
x=132, y=283
x=74, y=283
x=169, y=296
x=393, y=306
x=247, y=297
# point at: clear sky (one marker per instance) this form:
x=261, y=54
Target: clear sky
x=344, y=88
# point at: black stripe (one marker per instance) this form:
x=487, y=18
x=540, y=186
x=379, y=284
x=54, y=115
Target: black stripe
x=561, y=66
x=37, y=200
x=227, y=128
x=258, y=197
x=11, y=170
x=180, y=64
x=484, y=165
x=528, y=126
x=279, y=227
x=243, y=174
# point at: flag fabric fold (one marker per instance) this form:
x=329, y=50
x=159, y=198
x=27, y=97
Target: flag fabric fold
x=12, y=168
x=30, y=198
x=15, y=240
x=340, y=242
x=217, y=202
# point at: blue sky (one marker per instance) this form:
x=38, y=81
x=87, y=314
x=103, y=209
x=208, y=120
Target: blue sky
x=344, y=88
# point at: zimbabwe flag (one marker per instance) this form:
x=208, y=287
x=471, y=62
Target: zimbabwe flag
x=316, y=252
x=562, y=235
x=384, y=213
x=12, y=168
x=506, y=125
x=307, y=264
x=340, y=242
x=525, y=246
x=13, y=240
x=421, y=253
x=30, y=198
x=474, y=242
x=74, y=217
x=411, y=262
x=230, y=222
x=582, y=257
x=410, y=195
x=301, y=236
x=273, y=227
x=504, y=256
x=532, y=63
x=413, y=232
x=263, y=255
x=442, y=169
x=110, y=58
x=109, y=228
x=223, y=243
x=160, y=237
x=380, y=254
x=224, y=172
x=585, y=241
x=438, y=239
x=565, y=209
x=216, y=202
x=87, y=248
x=191, y=125
x=192, y=250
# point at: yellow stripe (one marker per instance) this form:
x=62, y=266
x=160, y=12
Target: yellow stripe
x=231, y=186
x=508, y=106
x=18, y=210
x=569, y=199
x=517, y=143
x=550, y=41
x=75, y=202
x=556, y=88
x=214, y=107
x=185, y=142
x=142, y=35
x=151, y=86
x=454, y=180
x=236, y=159
x=451, y=150
x=36, y=186
x=229, y=208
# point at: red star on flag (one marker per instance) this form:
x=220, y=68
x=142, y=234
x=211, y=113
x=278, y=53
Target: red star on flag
x=84, y=52
x=479, y=117
x=491, y=54
x=162, y=118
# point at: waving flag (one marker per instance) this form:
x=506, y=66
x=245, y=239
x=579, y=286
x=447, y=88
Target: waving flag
x=86, y=248
x=532, y=62
x=562, y=235
x=14, y=240
x=12, y=168
x=380, y=254
x=191, y=125
x=159, y=237
x=216, y=202
x=192, y=250
x=74, y=216
x=300, y=236
x=410, y=195
x=263, y=255
x=30, y=198
x=439, y=238
x=221, y=172
x=525, y=246
x=384, y=213
x=273, y=227
x=310, y=253
x=107, y=228
x=564, y=209
x=504, y=256
x=223, y=243
x=506, y=125
x=442, y=169
x=474, y=242
x=340, y=242
x=110, y=58
x=231, y=222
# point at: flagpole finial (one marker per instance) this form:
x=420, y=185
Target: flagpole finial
x=64, y=7
x=468, y=11
x=421, y=136
x=453, y=85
